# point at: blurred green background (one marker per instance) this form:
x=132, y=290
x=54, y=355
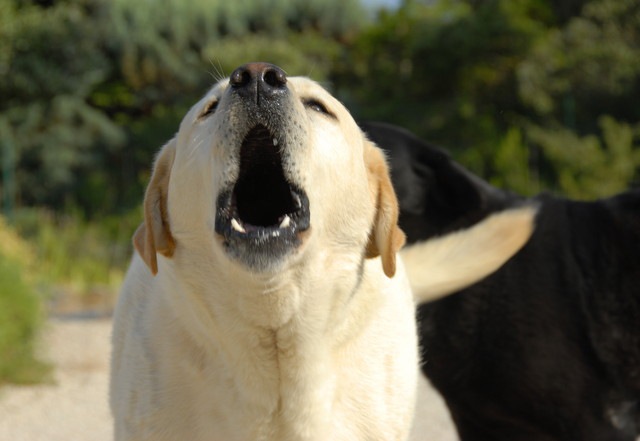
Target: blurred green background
x=533, y=95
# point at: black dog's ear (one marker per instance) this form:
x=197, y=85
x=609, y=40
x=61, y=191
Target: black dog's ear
x=436, y=195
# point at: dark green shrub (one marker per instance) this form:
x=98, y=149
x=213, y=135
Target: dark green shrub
x=20, y=321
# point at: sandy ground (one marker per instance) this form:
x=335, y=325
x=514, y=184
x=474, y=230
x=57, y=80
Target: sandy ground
x=75, y=408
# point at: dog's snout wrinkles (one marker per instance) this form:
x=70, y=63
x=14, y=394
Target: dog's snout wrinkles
x=255, y=80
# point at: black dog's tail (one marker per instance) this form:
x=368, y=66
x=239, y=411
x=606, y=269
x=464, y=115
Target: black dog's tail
x=449, y=263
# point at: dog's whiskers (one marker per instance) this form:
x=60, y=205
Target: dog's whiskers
x=218, y=73
x=195, y=145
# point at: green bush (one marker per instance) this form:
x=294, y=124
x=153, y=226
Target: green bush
x=21, y=316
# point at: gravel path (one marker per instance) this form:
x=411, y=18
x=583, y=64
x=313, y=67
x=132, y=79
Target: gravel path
x=74, y=407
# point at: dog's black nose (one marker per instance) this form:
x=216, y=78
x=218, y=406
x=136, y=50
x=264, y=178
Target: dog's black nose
x=258, y=79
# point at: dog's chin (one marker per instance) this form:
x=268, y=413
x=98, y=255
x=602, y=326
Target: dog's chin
x=261, y=247
x=262, y=218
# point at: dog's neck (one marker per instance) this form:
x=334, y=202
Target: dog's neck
x=266, y=299
x=278, y=333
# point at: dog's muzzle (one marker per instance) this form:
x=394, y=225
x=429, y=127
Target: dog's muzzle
x=262, y=216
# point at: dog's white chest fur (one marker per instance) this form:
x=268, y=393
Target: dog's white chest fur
x=331, y=372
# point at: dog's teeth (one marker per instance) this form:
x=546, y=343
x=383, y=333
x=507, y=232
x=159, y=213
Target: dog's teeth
x=236, y=226
x=275, y=142
x=285, y=222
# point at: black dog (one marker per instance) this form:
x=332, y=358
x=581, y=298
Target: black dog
x=548, y=347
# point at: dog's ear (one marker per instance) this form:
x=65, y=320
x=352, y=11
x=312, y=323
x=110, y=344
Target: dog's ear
x=385, y=238
x=154, y=234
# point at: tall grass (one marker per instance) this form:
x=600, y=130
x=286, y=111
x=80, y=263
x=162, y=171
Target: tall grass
x=76, y=257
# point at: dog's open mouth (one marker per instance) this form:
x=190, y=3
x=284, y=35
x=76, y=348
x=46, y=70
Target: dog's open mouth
x=262, y=216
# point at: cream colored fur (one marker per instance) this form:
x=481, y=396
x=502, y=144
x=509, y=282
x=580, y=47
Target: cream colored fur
x=320, y=345
x=446, y=264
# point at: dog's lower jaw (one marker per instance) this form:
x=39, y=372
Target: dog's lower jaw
x=262, y=248
x=268, y=260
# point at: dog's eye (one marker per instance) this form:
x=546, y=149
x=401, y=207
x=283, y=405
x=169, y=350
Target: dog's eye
x=317, y=106
x=209, y=109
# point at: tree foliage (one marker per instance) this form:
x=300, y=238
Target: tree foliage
x=49, y=65
x=91, y=88
x=517, y=88
x=532, y=94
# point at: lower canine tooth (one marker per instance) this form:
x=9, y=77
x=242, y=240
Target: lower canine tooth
x=285, y=222
x=236, y=226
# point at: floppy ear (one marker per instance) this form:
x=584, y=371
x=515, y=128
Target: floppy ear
x=154, y=235
x=385, y=238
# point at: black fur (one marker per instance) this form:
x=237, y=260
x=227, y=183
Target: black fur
x=548, y=347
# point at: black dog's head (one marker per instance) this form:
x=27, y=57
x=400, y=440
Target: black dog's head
x=436, y=195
